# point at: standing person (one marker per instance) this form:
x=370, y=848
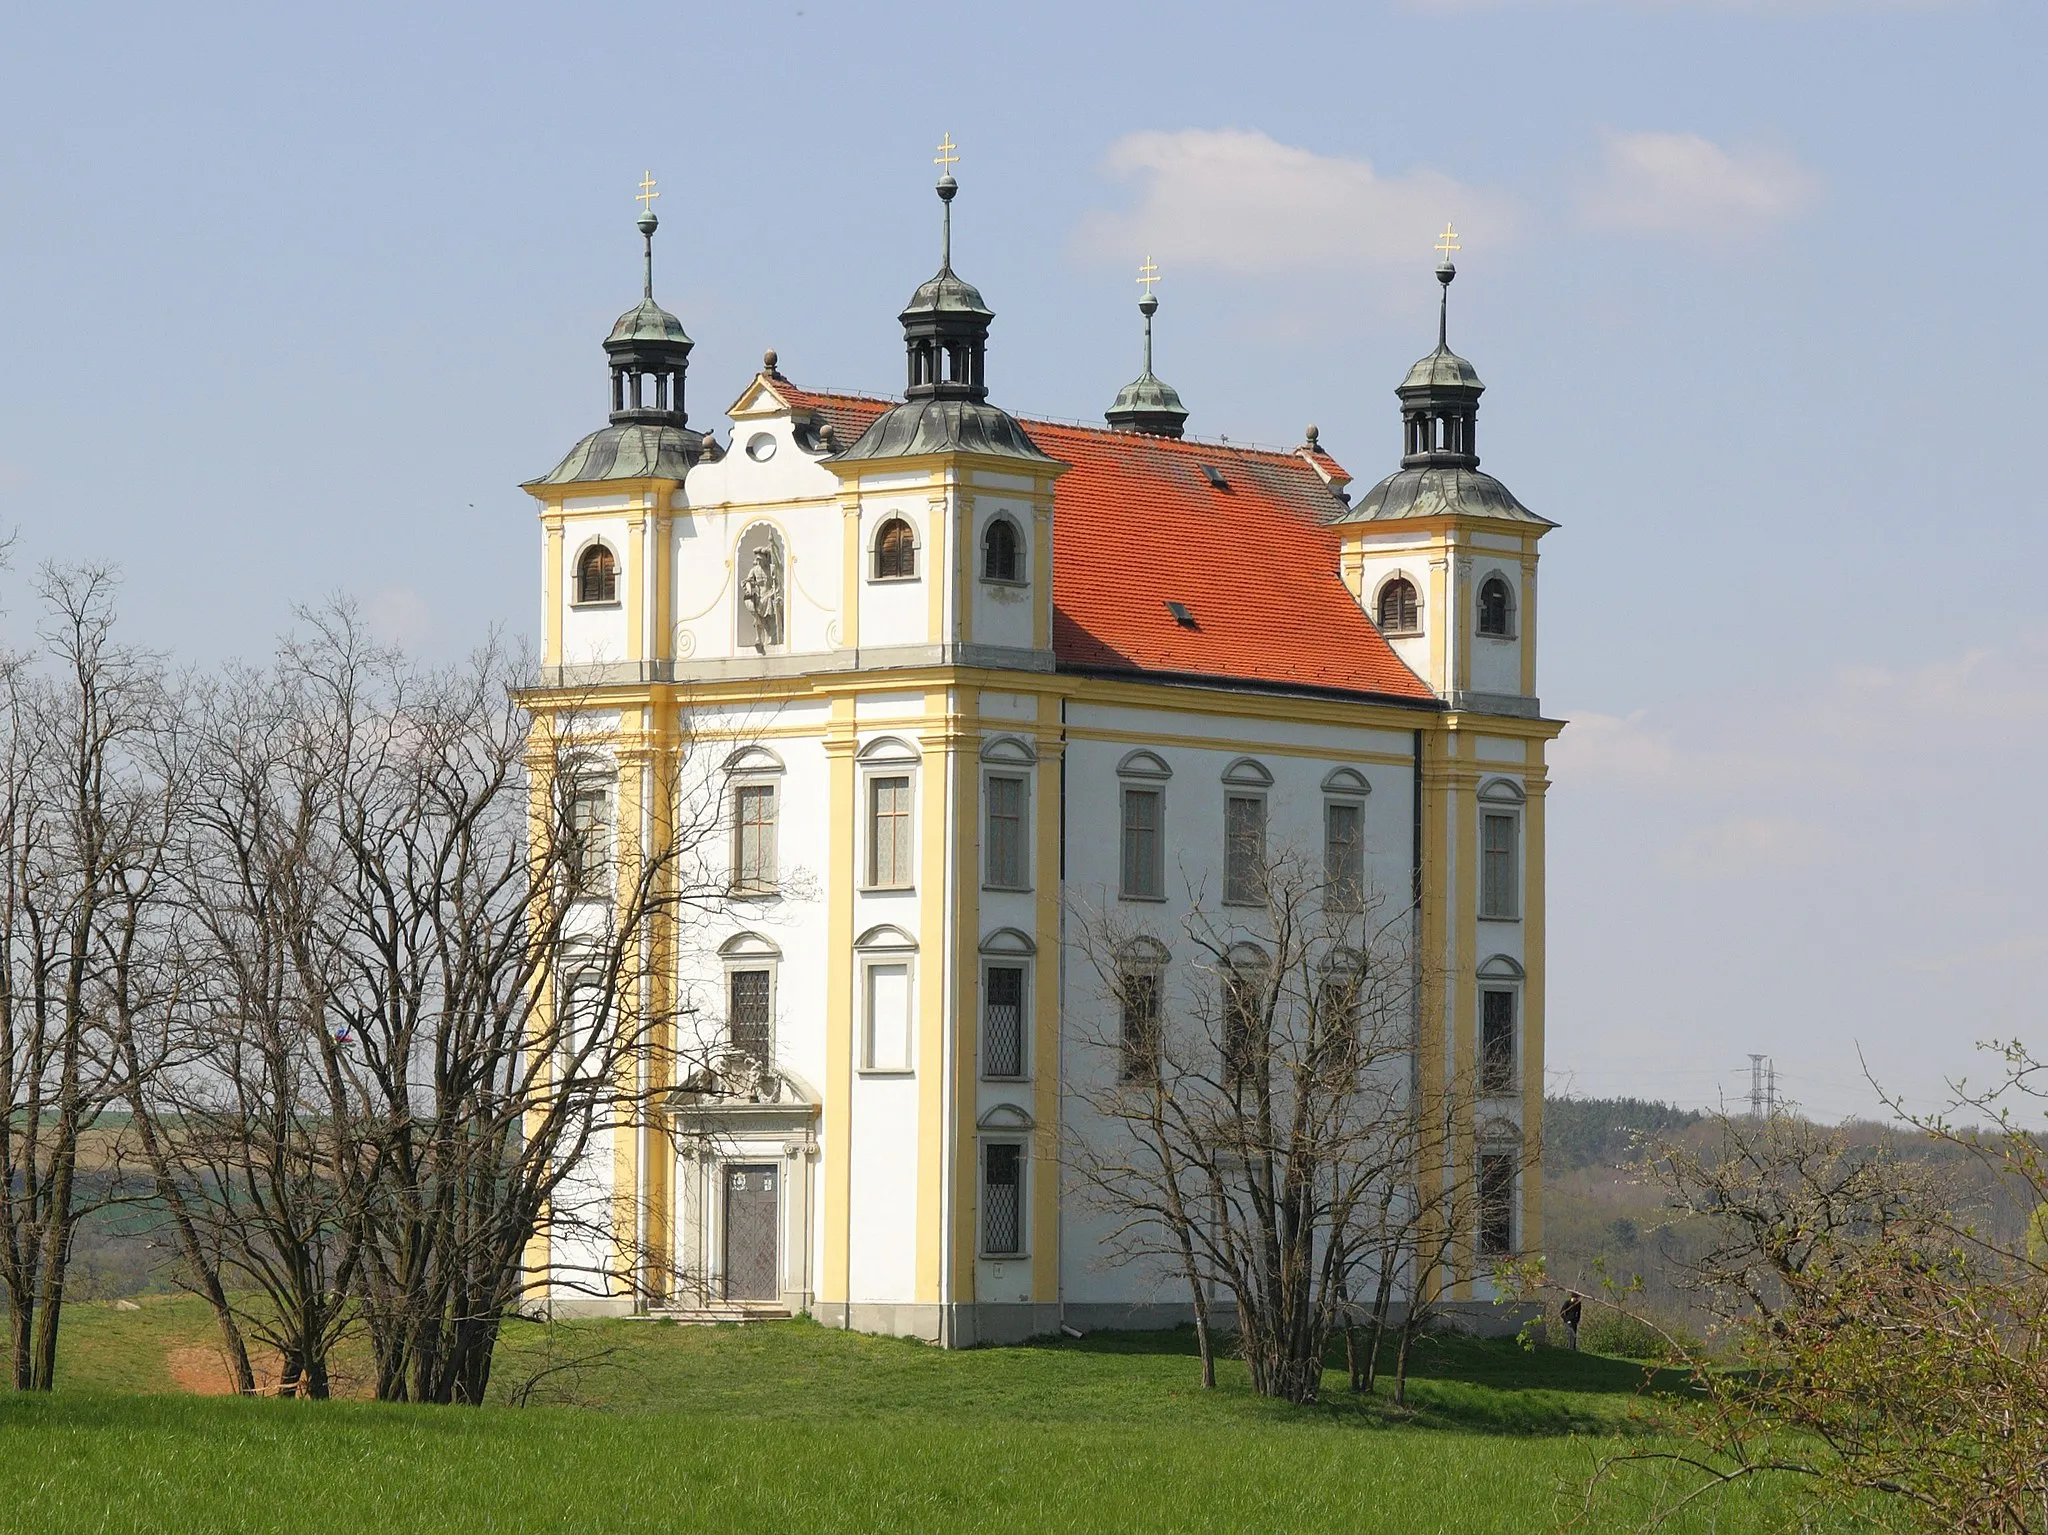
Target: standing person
x=1569, y=1313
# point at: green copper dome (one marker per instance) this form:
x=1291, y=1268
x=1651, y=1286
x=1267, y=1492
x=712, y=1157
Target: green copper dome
x=1148, y=404
x=1442, y=369
x=647, y=321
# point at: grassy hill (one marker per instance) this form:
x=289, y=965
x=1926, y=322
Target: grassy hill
x=653, y=1427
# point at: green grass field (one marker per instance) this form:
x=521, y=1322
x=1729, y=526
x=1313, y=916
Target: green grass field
x=652, y=1427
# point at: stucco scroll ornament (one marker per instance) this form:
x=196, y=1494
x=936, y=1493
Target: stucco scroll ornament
x=761, y=592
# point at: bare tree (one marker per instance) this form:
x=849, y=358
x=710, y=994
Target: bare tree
x=1246, y=1102
x=82, y=814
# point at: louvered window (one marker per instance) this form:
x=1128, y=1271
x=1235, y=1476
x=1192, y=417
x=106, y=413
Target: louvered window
x=597, y=575
x=1002, y=552
x=1002, y=1198
x=895, y=551
x=1002, y=1024
x=1400, y=613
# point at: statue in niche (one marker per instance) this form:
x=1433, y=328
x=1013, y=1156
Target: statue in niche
x=761, y=595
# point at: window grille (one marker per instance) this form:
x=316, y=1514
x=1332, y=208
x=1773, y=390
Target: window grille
x=895, y=550
x=1139, y=1002
x=1493, y=606
x=1343, y=855
x=1399, y=610
x=1497, y=876
x=1006, y=832
x=1002, y=1029
x=1002, y=1198
x=1244, y=849
x=1496, y=1206
x=753, y=863
x=889, y=831
x=1497, y=1042
x=1002, y=552
x=747, y=1020
x=597, y=575
x=1144, y=864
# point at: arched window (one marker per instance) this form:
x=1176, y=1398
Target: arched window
x=1400, y=613
x=1495, y=602
x=895, y=551
x=597, y=575
x=1002, y=552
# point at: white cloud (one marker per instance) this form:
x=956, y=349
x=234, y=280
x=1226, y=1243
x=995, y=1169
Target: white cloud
x=400, y=616
x=1239, y=202
x=1683, y=184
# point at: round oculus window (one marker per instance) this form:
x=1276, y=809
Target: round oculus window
x=761, y=447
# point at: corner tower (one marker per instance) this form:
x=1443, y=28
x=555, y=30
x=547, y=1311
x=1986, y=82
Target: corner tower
x=1442, y=556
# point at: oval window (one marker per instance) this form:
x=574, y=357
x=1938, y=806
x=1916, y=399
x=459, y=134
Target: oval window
x=760, y=447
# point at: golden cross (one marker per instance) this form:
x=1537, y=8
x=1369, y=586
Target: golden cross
x=947, y=159
x=647, y=192
x=1148, y=274
x=1448, y=240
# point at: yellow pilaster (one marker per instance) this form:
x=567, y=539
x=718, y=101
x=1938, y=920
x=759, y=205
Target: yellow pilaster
x=1045, y=1009
x=842, y=864
x=935, y=744
x=966, y=992
x=1532, y=1000
x=1041, y=569
x=551, y=592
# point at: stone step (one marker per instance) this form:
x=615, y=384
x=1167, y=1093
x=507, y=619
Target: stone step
x=721, y=1311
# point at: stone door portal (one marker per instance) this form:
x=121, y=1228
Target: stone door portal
x=750, y=1205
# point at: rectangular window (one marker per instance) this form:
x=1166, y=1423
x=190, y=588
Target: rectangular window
x=1497, y=1042
x=889, y=832
x=1002, y=1021
x=887, y=1046
x=746, y=1013
x=1498, y=893
x=1002, y=1198
x=1144, y=853
x=1006, y=831
x=1244, y=849
x=1343, y=855
x=1139, y=1035
x=1244, y=1023
x=1496, y=1205
x=1336, y=1044
x=587, y=843
x=753, y=853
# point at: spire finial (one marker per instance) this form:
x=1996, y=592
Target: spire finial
x=945, y=161
x=1148, y=277
x=1446, y=273
x=648, y=223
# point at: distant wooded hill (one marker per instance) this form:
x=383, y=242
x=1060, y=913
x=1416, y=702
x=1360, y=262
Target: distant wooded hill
x=1601, y=1132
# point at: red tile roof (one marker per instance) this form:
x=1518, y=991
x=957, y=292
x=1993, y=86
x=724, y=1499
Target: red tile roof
x=1138, y=525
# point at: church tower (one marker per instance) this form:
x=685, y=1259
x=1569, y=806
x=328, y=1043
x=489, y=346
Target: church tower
x=1442, y=556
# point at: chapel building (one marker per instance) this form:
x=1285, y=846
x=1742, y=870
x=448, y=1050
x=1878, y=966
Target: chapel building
x=949, y=677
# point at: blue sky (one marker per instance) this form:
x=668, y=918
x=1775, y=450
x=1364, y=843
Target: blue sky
x=290, y=300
